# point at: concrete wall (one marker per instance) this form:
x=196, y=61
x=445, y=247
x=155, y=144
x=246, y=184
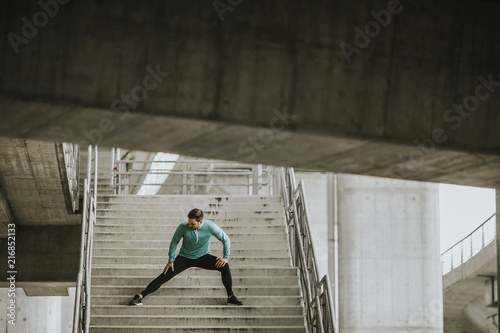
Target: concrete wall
x=38, y=314
x=44, y=253
x=390, y=276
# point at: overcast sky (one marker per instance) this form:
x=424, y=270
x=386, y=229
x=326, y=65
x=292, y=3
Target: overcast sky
x=462, y=209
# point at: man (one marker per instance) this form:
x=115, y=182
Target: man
x=194, y=252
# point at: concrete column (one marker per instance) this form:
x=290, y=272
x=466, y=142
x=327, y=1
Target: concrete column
x=390, y=276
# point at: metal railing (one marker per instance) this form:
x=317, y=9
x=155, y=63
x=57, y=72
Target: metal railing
x=317, y=295
x=81, y=315
x=470, y=245
x=123, y=173
x=71, y=160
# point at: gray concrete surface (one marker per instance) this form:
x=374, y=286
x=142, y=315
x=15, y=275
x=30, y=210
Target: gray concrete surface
x=269, y=83
x=464, y=290
x=130, y=250
x=389, y=259
x=49, y=253
x=40, y=314
x=34, y=184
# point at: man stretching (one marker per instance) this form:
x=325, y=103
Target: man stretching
x=194, y=252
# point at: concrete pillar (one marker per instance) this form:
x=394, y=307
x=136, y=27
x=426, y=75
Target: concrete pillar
x=390, y=276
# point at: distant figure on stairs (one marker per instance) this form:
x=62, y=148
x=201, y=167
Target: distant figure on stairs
x=194, y=252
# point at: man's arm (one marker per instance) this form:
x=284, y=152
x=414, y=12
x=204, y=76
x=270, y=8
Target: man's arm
x=221, y=235
x=173, y=243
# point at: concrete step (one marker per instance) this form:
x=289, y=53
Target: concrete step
x=139, y=260
x=193, y=321
x=166, y=228
x=196, y=300
x=200, y=329
x=206, y=290
x=183, y=280
x=209, y=214
x=215, y=244
x=150, y=236
x=150, y=271
x=197, y=310
x=145, y=252
x=183, y=209
x=194, y=199
x=130, y=249
x=121, y=220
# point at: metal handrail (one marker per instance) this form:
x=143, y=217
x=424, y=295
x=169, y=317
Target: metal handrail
x=71, y=161
x=121, y=182
x=447, y=257
x=181, y=161
x=317, y=295
x=81, y=314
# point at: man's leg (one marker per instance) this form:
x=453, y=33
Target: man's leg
x=180, y=264
x=208, y=262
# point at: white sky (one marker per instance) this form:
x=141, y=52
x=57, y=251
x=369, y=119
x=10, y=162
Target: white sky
x=462, y=209
x=158, y=178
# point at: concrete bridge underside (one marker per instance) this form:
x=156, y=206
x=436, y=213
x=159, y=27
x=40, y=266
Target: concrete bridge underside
x=268, y=84
x=418, y=99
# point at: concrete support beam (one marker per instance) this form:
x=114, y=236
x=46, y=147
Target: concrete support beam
x=219, y=140
x=418, y=101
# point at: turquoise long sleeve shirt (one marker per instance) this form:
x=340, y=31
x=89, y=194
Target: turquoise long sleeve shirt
x=196, y=243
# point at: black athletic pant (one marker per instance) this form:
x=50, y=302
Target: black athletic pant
x=182, y=263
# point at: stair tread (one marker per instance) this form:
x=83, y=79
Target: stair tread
x=200, y=306
x=242, y=217
x=195, y=287
x=199, y=327
x=201, y=316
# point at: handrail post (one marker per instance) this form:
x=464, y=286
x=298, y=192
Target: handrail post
x=96, y=170
x=471, y=247
x=119, y=168
x=112, y=166
x=461, y=243
x=81, y=313
x=256, y=178
x=461, y=253
x=302, y=251
x=482, y=235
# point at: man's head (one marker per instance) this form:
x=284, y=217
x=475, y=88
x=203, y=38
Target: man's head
x=195, y=218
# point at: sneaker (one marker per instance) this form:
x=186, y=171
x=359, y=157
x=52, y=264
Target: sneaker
x=234, y=300
x=136, y=301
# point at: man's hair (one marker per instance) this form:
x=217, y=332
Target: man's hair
x=196, y=214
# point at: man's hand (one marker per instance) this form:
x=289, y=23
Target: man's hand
x=220, y=262
x=169, y=265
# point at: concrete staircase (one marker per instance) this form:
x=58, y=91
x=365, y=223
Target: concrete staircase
x=130, y=249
